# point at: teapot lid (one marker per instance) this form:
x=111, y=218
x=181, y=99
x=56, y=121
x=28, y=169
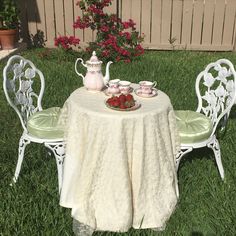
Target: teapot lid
x=94, y=60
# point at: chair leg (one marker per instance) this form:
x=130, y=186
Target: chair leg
x=181, y=153
x=58, y=150
x=22, y=144
x=177, y=187
x=215, y=146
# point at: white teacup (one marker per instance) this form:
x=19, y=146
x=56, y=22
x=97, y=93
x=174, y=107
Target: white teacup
x=147, y=86
x=124, y=86
x=113, y=86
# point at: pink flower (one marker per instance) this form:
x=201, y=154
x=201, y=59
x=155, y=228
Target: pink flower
x=113, y=18
x=92, y=8
x=124, y=52
x=132, y=24
x=118, y=58
x=125, y=25
x=88, y=49
x=139, y=50
x=66, y=42
x=106, y=53
x=129, y=24
x=127, y=35
x=82, y=23
x=105, y=3
x=139, y=47
x=73, y=41
x=127, y=60
x=104, y=28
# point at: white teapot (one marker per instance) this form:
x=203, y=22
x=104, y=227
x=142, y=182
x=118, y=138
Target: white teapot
x=94, y=80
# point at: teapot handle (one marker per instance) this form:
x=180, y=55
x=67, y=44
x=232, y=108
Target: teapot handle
x=82, y=62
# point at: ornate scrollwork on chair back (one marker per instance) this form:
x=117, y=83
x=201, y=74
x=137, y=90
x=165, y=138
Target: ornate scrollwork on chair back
x=18, y=78
x=216, y=90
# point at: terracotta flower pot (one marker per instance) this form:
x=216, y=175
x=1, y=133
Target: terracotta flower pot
x=8, y=38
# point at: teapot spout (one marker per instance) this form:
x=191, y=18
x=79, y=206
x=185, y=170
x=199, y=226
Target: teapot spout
x=107, y=76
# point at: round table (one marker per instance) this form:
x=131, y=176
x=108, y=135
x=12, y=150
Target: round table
x=119, y=169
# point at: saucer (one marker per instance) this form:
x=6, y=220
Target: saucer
x=139, y=93
x=115, y=94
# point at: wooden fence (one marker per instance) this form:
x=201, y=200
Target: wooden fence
x=166, y=24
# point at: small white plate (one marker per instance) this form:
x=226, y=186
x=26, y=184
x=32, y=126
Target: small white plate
x=139, y=93
x=110, y=94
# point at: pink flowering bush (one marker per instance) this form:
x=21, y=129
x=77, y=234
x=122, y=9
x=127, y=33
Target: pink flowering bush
x=116, y=39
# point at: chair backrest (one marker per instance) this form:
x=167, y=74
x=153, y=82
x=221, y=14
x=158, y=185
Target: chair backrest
x=19, y=75
x=216, y=90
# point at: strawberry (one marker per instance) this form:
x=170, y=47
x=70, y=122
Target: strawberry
x=116, y=103
x=129, y=97
x=109, y=100
x=122, y=98
x=111, y=104
x=122, y=106
x=115, y=98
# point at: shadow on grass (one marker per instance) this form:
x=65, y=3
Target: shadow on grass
x=197, y=154
x=196, y=234
x=233, y=113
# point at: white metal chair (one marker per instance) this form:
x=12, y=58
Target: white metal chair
x=39, y=126
x=216, y=93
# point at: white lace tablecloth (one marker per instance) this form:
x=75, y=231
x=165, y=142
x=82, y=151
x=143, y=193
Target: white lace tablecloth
x=119, y=169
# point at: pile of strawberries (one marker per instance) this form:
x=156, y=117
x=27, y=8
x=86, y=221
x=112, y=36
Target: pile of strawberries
x=122, y=101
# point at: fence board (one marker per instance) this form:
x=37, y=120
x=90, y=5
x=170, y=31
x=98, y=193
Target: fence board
x=218, y=22
x=126, y=9
x=50, y=23
x=88, y=35
x=166, y=21
x=69, y=17
x=119, y=9
x=135, y=13
x=197, y=22
x=78, y=13
x=59, y=15
x=234, y=37
x=187, y=21
x=146, y=20
x=208, y=22
x=156, y=21
x=41, y=23
x=24, y=21
x=31, y=9
x=177, y=20
x=228, y=26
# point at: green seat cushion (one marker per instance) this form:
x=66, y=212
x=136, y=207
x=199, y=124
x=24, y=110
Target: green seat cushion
x=44, y=124
x=193, y=126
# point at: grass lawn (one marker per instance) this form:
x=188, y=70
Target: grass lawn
x=207, y=205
